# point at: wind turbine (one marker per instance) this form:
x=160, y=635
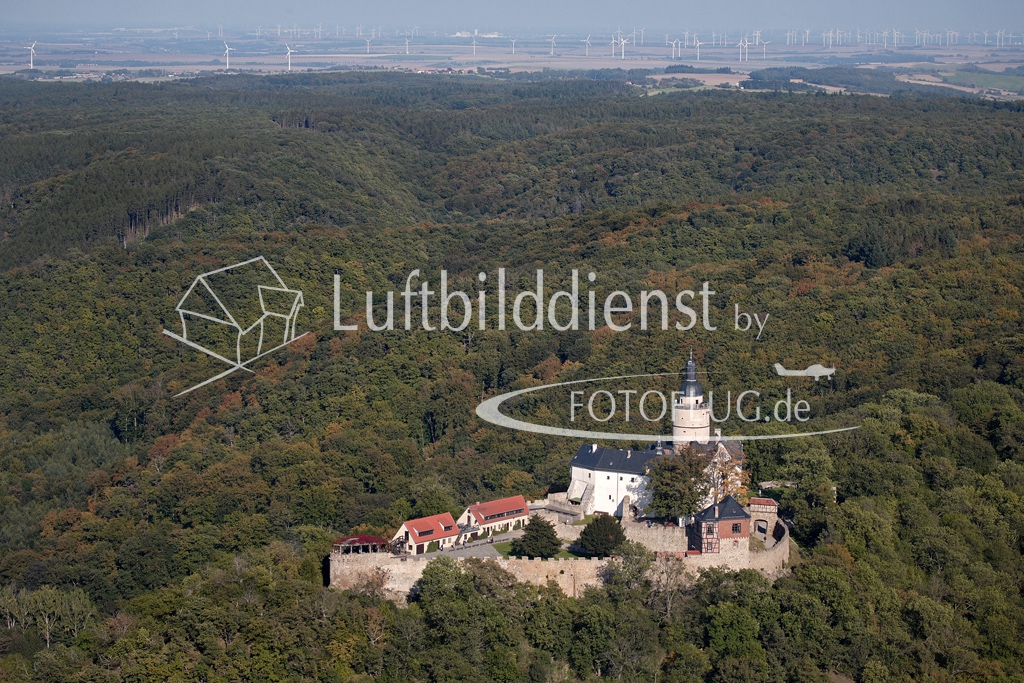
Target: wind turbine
x=587, y=41
x=614, y=43
x=406, y=46
x=623, y=45
x=513, y=44
x=764, y=50
x=552, y=41
x=367, y=44
x=474, y=46
x=31, y=54
x=697, y=44
x=227, y=57
x=290, y=51
x=642, y=35
x=259, y=29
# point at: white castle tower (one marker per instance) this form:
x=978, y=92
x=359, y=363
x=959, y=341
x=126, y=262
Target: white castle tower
x=691, y=417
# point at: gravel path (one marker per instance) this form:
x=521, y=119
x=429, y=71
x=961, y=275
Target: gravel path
x=477, y=549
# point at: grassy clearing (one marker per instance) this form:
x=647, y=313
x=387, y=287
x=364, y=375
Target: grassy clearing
x=975, y=80
x=505, y=549
x=585, y=521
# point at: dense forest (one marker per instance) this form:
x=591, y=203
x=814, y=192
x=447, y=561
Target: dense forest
x=145, y=537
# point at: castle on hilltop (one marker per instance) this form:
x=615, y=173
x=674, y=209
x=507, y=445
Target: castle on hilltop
x=725, y=533
x=603, y=478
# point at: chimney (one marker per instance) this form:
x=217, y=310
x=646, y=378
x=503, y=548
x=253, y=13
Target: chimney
x=716, y=510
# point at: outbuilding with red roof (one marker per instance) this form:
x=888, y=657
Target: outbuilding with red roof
x=496, y=515
x=416, y=535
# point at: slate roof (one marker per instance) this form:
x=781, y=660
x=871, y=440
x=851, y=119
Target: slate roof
x=601, y=459
x=627, y=461
x=690, y=387
x=725, y=509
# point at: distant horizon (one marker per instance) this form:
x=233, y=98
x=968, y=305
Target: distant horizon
x=569, y=16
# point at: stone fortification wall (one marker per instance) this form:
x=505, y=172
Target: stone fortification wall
x=572, y=576
x=657, y=538
x=773, y=561
x=667, y=541
x=351, y=571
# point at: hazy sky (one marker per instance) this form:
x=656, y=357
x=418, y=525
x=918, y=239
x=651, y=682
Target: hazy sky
x=488, y=15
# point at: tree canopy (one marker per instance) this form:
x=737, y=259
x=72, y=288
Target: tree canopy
x=538, y=540
x=601, y=535
x=678, y=482
x=884, y=236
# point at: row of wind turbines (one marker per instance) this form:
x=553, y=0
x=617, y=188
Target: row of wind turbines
x=619, y=40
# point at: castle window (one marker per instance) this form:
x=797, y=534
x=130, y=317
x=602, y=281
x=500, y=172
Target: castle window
x=735, y=544
x=608, y=477
x=632, y=479
x=609, y=497
x=736, y=528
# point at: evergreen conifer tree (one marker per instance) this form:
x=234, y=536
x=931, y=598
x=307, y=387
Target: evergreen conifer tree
x=602, y=535
x=539, y=540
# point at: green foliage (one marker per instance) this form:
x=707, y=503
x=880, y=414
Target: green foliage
x=538, y=540
x=877, y=81
x=184, y=537
x=601, y=536
x=678, y=483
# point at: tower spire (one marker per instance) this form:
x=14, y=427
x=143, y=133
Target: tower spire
x=691, y=417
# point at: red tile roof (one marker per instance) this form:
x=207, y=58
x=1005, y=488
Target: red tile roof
x=496, y=510
x=764, y=501
x=426, y=529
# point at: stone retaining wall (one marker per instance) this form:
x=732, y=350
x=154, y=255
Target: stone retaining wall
x=350, y=571
x=572, y=576
x=657, y=538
